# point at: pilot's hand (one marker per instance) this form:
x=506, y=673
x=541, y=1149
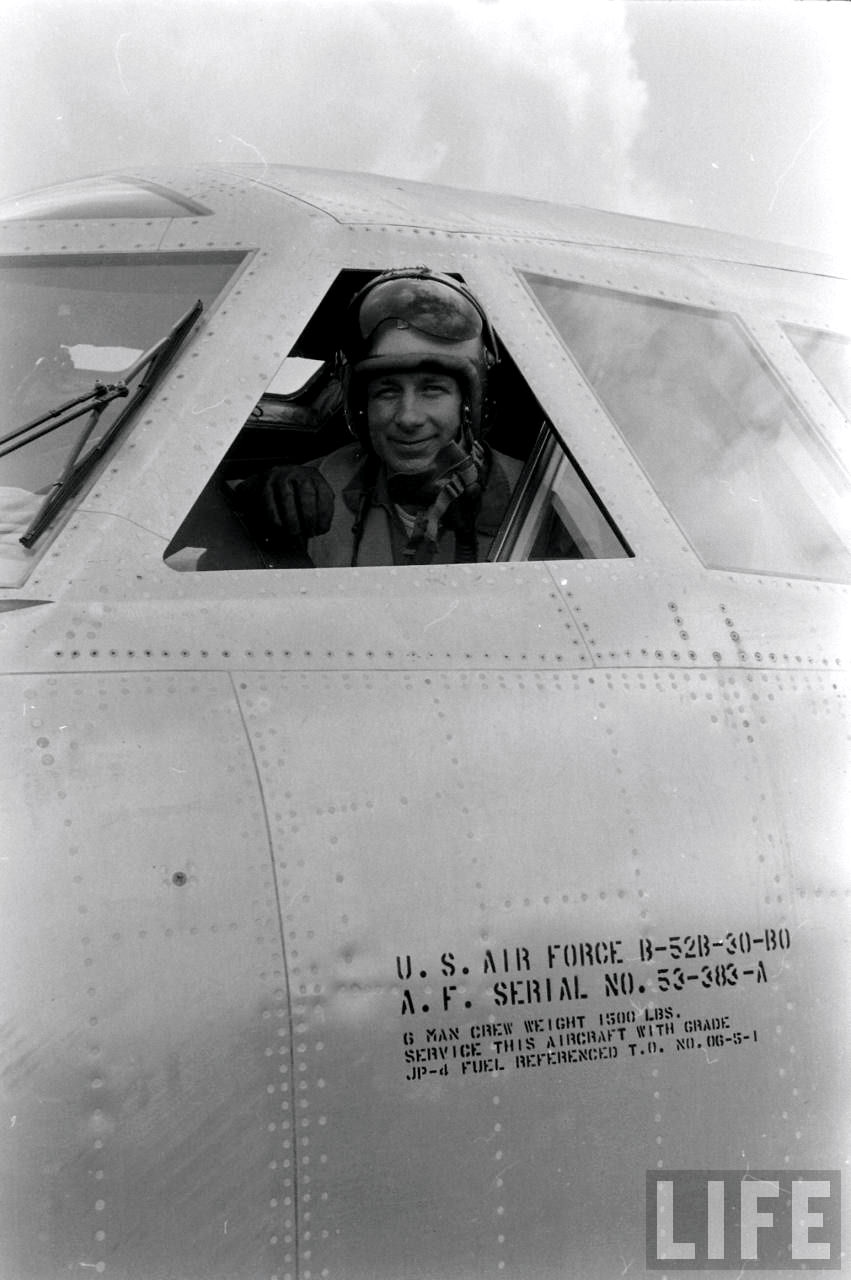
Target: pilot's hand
x=289, y=503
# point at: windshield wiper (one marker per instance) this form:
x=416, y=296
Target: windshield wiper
x=152, y=364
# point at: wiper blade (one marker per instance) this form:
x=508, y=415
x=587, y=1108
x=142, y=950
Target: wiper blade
x=94, y=401
x=153, y=362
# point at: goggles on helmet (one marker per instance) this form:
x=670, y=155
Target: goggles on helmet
x=415, y=298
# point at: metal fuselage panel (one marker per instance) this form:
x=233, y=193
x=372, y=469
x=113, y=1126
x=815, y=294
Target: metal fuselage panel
x=233, y=1014
x=394, y=922
x=142, y=954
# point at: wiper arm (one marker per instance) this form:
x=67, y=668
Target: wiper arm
x=153, y=362
x=95, y=401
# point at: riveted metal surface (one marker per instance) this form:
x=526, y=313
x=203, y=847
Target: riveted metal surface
x=367, y=198
x=568, y=615
x=374, y=619
x=260, y=820
x=146, y=1016
x=120, y=235
x=631, y=615
x=408, y=855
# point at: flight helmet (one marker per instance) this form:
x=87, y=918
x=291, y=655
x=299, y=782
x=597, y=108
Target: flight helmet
x=411, y=319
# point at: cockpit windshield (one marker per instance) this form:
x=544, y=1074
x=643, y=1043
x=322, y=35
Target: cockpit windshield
x=751, y=483
x=67, y=324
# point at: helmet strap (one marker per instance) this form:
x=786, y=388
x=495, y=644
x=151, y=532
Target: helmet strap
x=467, y=436
x=459, y=487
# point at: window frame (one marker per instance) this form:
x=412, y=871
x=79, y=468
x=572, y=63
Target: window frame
x=740, y=322
x=517, y=512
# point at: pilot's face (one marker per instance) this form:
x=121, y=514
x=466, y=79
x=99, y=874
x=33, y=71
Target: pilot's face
x=411, y=416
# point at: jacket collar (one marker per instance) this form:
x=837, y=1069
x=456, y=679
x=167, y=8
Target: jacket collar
x=367, y=483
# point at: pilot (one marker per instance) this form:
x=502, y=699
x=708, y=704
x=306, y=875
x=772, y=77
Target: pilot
x=418, y=485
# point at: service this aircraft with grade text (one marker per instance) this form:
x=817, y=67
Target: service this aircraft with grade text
x=399, y=921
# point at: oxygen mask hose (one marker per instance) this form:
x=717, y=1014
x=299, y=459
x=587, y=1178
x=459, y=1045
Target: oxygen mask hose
x=452, y=490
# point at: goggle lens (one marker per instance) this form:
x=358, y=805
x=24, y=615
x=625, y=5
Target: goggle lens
x=427, y=305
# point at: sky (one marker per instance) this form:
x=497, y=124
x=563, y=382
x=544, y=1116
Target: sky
x=729, y=114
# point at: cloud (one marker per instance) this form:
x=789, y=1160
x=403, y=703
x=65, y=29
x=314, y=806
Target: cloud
x=537, y=99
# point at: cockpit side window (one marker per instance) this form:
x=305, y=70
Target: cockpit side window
x=829, y=358
x=534, y=504
x=748, y=479
x=555, y=514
